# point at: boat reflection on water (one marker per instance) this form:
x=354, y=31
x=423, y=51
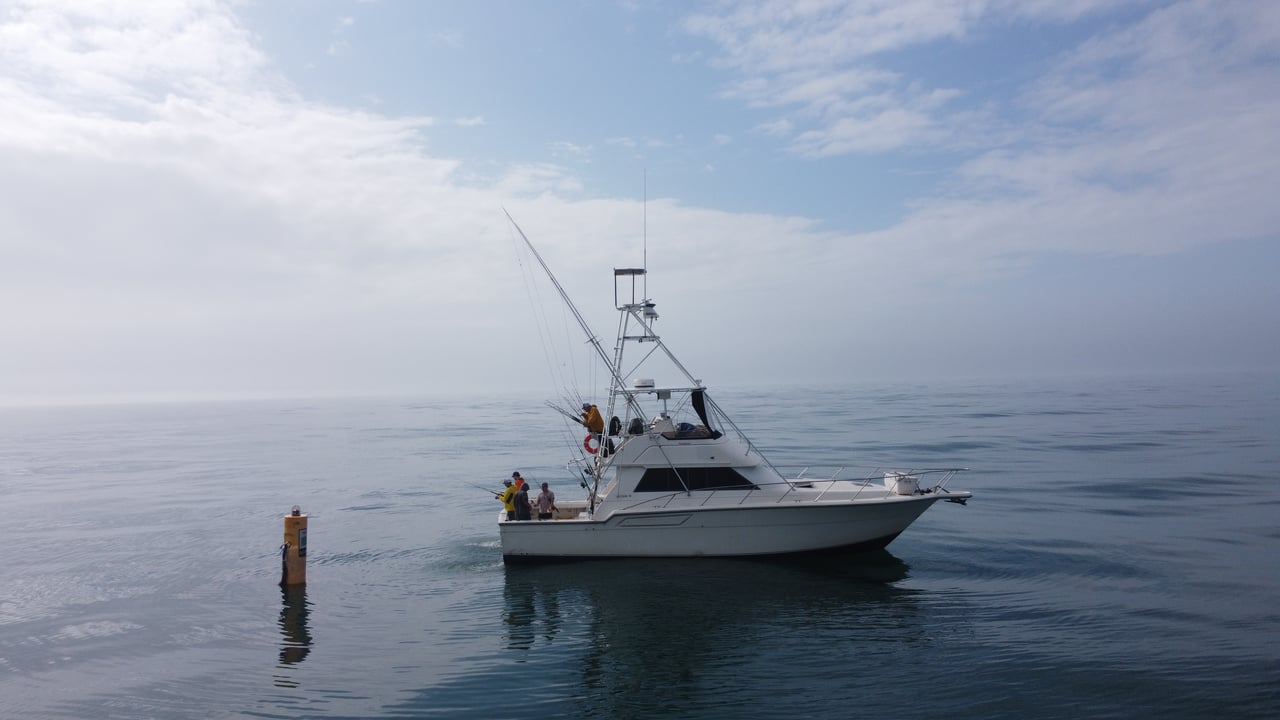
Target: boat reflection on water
x=681, y=590
x=532, y=608
x=644, y=633
x=692, y=638
x=295, y=636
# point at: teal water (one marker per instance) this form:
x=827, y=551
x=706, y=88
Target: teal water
x=1121, y=558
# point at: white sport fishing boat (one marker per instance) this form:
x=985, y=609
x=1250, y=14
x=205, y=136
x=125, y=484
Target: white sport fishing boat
x=672, y=476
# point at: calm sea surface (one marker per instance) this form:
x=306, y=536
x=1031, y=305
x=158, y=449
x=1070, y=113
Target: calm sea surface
x=1121, y=558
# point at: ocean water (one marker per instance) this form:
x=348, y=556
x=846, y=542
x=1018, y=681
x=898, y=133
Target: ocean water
x=1121, y=559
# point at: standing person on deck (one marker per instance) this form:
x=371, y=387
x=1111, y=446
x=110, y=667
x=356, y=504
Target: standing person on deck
x=508, y=498
x=546, y=503
x=521, y=500
x=591, y=418
x=515, y=477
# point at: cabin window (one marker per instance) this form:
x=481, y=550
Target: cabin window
x=697, y=478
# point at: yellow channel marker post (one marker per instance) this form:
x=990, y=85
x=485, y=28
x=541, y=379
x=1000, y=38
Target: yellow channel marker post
x=294, y=550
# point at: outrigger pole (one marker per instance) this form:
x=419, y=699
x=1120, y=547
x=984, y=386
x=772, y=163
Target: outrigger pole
x=591, y=336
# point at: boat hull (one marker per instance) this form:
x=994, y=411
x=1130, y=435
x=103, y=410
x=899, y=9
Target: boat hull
x=775, y=529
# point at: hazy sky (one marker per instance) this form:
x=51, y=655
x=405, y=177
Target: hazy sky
x=292, y=198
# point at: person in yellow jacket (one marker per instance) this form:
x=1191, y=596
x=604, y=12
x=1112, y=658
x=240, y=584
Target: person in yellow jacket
x=591, y=418
x=508, y=498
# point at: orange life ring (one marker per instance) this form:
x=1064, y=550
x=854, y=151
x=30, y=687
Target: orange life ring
x=586, y=443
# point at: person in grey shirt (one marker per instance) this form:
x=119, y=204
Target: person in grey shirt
x=546, y=503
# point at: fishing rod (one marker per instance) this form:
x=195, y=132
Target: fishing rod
x=576, y=418
x=491, y=492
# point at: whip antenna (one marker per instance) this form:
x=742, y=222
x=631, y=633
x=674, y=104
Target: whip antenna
x=644, y=224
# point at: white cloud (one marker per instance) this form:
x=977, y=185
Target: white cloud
x=631, y=143
x=537, y=180
x=564, y=148
x=474, y=121
x=197, y=201
x=173, y=209
x=817, y=91
x=778, y=37
x=449, y=38
x=778, y=128
x=888, y=129
x=819, y=61
x=1170, y=110
x=110, y=56
x=1170, y=113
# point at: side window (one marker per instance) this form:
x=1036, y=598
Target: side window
x=712, y=478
